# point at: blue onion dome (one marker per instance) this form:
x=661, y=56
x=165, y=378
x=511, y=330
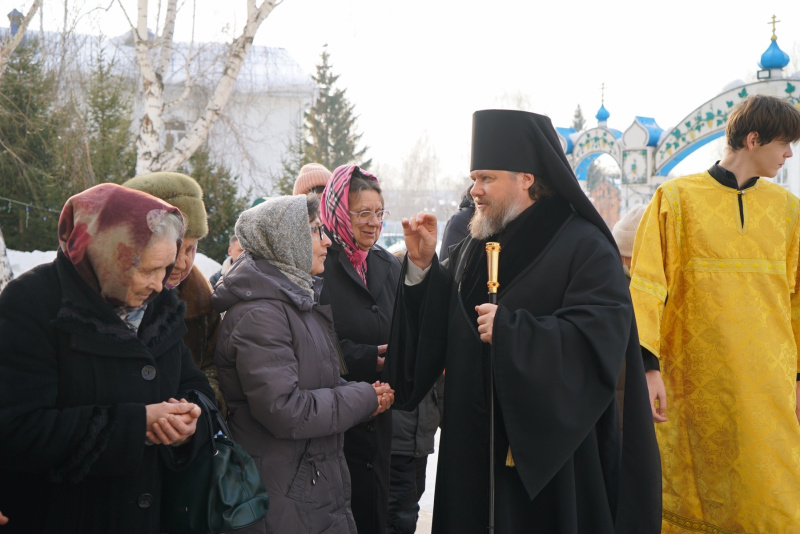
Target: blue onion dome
x=774, y=57
x=602, y=114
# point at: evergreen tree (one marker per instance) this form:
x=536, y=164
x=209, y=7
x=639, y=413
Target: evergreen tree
x=330, y=128
x=578, y=121
x=112, y=149
x=29, y=131
x=223, y=205
x=595, y=175
x=283, y=182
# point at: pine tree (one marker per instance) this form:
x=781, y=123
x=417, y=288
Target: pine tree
x=29, y=130
x=112, y=149
x=578, y=121
x=223, y=205
x=330, y=128
x=283, y=182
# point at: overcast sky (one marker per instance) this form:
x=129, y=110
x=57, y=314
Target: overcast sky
x=424, y=66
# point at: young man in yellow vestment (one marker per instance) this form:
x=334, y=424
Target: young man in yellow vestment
x=717, y=300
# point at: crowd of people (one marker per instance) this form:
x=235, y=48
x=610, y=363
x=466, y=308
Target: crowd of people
x=643, y=379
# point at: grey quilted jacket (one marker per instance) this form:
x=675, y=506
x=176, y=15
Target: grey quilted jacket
x=278, y=370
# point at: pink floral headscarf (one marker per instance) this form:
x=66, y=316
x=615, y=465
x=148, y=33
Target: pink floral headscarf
x=335, y=215
x=103, y=232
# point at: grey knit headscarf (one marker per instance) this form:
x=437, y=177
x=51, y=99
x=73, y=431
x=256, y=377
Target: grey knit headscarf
x=277, y=230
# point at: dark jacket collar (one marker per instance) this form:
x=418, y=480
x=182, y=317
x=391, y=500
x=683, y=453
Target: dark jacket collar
x=728, y=179
x=256, y=278
x=84, y=310
x=378, y=268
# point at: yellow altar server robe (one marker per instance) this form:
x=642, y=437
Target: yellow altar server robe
x=716, y=300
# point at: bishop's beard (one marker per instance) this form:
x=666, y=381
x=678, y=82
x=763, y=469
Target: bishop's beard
x=494, y=217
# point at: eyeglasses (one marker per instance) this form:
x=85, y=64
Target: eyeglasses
x=363, y=217
x=320, y=229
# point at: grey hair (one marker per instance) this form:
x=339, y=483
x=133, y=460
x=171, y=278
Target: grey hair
x=169, y=227
x=312, y=206
x=360, y=183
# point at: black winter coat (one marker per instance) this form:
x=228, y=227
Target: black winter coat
x=362, y=317
x=74, y=382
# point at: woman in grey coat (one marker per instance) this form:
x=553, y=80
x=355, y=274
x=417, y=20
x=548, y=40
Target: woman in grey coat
x=279, y=369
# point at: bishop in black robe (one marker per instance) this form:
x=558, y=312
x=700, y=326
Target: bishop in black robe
x=563, y=326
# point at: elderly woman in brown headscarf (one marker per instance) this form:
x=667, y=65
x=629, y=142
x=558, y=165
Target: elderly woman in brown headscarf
x=93, y=372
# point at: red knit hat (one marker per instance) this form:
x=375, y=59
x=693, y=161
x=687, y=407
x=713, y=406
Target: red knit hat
x=311, y=175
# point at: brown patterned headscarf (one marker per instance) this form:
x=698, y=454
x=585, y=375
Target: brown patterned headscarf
x=103, y=232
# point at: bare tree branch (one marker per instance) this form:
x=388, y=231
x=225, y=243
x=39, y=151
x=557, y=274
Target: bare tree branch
x=150, y=157
x=10, y=45
x=187, y=89
x=165, y=40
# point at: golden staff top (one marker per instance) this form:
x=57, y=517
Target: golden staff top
x=492, y=258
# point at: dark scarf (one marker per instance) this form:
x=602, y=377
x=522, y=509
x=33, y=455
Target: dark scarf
x=521, y=241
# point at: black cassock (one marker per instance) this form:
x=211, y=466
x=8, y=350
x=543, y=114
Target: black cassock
x=562, y=329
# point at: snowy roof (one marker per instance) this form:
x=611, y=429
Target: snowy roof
x=266, y=69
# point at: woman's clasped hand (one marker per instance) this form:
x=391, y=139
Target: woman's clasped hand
x=172, y=422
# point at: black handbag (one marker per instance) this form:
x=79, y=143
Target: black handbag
x=220, y=490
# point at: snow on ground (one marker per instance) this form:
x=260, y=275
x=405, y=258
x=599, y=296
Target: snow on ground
x=23, y=261
x=426, y=501
x=206, y=265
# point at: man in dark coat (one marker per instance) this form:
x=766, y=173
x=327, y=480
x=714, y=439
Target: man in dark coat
x=457, y=227
x=554, y=344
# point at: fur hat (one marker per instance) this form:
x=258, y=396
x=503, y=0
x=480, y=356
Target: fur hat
x=181, y=191
x=311, y=175
x=625, y=230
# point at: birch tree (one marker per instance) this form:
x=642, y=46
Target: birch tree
x=153, y=56
x=5, y=266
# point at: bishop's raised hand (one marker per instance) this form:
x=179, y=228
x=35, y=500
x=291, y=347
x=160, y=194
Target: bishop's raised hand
x=420, y=234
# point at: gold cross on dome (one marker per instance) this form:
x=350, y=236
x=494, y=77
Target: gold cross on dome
x=774, y=22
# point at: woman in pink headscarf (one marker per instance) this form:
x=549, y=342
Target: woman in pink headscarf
x=93, y=372
x=360, y=284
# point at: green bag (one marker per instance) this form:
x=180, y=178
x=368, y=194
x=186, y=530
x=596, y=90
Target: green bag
x=220, y=490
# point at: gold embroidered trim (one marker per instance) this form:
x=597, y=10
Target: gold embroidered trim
x=674, y=200
x=648, y=286
x=736, y=265
x=695, y=525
